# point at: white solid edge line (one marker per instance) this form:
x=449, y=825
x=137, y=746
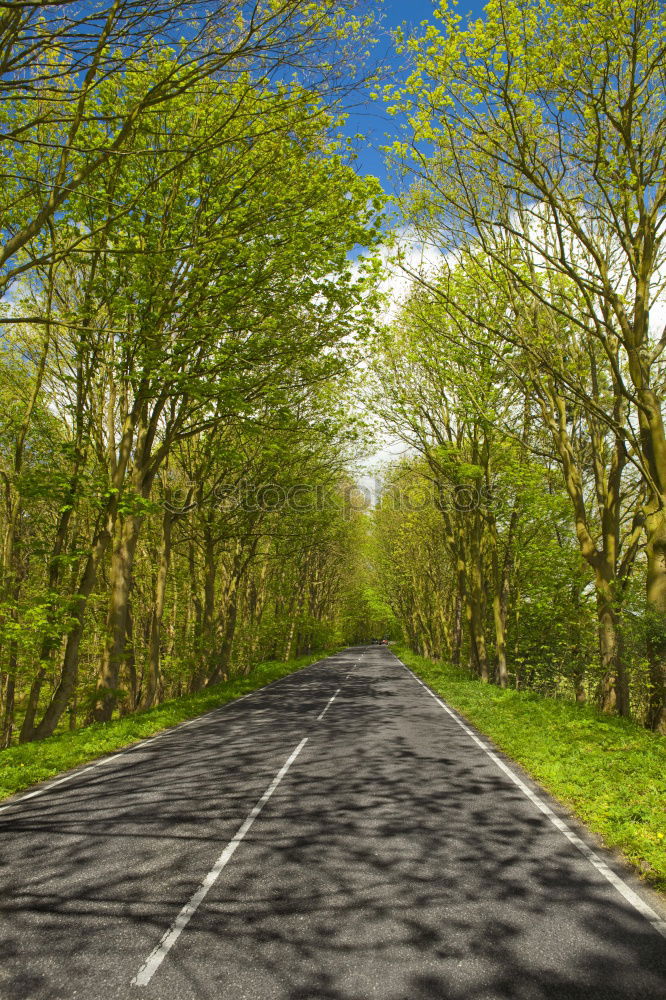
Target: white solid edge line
x=158, y=954
x=597, y=862
x=144, y=743
x=52, y=784
x=328, y=705
x=98, y=763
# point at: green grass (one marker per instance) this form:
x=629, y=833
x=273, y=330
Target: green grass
x=610, y=772
x=23, y=766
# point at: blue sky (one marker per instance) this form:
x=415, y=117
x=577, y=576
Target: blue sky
x=370, y=118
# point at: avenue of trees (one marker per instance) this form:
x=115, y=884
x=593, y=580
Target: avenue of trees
x=525, y=534
x=178, y=314
x=189, y=281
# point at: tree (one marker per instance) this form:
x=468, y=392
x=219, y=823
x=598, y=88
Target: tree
x=224, y=294
x=441, y=393
x=546, y=122
x=62, y=131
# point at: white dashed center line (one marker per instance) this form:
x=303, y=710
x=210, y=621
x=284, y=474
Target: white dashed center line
x=158, y=954
x=328, y=705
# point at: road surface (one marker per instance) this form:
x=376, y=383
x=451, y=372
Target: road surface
x=337, y=835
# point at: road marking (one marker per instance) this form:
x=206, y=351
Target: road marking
x=52, y=784
x=328, y=705
x=107, y=760
x=595, y=860
x=206, y=717
x=98, y=763
x=157, y=956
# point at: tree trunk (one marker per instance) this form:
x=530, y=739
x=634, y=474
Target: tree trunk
x=614, y=695
x=157, y=612
x=10, y=692
x=476, y=618
x=579, y=687
x=223, y=658
x=28, y=725
x=290, y=639
x=480, y=645
x=500, y=640
x=210, y=575
x=130, y=662
x=49, y=642
x=70, y=663
x=120, y=581
x=502, y=591
x=195, y=617
x=456, y=642
x=656, y=596
x=257, y=605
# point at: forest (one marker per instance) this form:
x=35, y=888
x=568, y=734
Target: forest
x=203, y=335
x=525, y=370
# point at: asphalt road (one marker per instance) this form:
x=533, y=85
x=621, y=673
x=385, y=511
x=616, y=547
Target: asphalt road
x=272, y=852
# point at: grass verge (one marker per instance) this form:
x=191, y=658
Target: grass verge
x=23, y=766
x=610, y=772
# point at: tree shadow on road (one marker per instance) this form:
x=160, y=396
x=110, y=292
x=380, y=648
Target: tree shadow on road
x=394, y=862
